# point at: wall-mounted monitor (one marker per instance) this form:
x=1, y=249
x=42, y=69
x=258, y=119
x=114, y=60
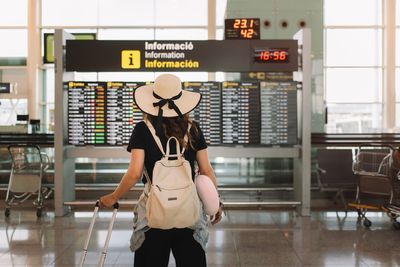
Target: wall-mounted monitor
x=5, y=88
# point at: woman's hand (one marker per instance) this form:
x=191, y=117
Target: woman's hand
x=108, y=200
x=217, y=217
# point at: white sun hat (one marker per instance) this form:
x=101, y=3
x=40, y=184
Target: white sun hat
x=165, y=97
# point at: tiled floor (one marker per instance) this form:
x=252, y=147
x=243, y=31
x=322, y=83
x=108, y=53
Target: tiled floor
x=243, y=238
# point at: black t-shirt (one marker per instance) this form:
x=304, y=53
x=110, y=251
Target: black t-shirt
x=142, y=138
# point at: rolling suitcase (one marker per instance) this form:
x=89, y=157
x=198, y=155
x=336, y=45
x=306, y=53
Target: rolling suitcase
x=110, y=227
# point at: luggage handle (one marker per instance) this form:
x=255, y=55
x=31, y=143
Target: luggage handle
x=110, y=227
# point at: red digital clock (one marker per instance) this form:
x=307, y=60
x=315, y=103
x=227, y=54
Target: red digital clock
x=271, y=55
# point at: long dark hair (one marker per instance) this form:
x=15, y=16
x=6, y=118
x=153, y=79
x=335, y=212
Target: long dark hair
x=177, y=127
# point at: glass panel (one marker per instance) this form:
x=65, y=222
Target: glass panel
x=180, y=12
x=220, y=34
x=354, y=12
x=248, y=172
x=49, y=127
x=69, y=13
x=126, y=34
x=13, y=43
x=398, y=13
x=354, y=118
x=86, y=76
x=14, y=13
x=126, y=12
x=126, y=76
x=353, y=85
x=9, y=109
x=181, y=34
x=221, y=9
x=355, y=47
x=190, y=76
x=73, y=31
x=149, y=76
x=261, y=172
x=220, y=76
x=50, y=85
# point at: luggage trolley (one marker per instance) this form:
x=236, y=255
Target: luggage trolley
x=375, y=177
x=28, y=167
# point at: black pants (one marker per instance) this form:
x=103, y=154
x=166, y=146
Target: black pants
x=158, y=244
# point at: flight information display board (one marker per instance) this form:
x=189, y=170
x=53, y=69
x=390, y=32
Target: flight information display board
x=241, y=113
x=104, y=113
x=76, y=113
x=95, y=108
x=122, y=112
x=278, y=113
x=208, y=113
x=101, y=113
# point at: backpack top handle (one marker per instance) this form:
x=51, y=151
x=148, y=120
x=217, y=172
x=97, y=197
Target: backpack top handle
x=178, y=148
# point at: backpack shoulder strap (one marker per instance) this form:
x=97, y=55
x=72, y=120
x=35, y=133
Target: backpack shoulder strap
x=155, y=137
x=146, y=175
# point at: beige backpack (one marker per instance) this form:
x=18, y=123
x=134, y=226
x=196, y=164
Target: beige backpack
x=173, y=201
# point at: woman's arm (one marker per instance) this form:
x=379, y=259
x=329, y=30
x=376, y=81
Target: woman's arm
x=129, y=179
x=205, y=168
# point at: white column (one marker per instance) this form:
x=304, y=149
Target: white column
x=389, y=64
x=64, y=167
x=212, y=19
x=212, y=27
x=34, y=58
x=302, y=165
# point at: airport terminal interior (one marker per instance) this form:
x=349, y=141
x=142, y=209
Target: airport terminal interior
x=300, y=110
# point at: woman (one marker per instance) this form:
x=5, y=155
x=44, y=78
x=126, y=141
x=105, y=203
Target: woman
x=166, y=107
